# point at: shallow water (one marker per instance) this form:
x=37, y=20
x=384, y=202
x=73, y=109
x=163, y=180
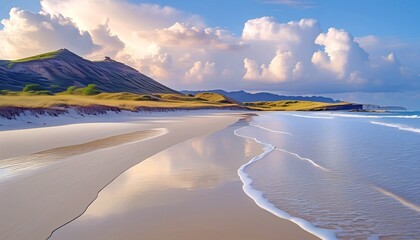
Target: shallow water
x=354, y=174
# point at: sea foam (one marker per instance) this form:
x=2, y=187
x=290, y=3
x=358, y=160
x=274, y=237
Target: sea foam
x=265, y=204
x=305, y=159
x=400, y=127
x=313, y=117
x=373, y=116
x=270, y=130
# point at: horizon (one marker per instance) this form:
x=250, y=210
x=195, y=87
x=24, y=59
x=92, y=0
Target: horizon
x=284, y=47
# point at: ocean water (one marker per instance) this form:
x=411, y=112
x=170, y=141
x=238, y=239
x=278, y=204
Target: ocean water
x=338, y=175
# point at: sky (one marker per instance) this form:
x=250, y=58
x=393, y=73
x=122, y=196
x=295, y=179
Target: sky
x=356, y=50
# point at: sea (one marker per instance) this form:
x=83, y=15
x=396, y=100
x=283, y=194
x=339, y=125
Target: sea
x=338, y=175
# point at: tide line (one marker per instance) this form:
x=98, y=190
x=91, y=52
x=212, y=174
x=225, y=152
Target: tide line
x=315, y=117
x=270, y=130
x=265, y=204
x=400, y=127
x=305, y=159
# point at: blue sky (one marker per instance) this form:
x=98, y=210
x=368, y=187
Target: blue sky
x=366, y=49
x=384, y=18
x=361, y=17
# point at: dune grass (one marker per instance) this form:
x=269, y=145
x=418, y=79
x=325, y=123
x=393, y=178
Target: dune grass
x=288, y=105
x=132, y=101
x=213, y=97
x=126, y=101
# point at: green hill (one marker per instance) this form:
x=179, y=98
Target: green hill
x=63, y=68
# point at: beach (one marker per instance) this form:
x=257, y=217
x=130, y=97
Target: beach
x=171, y=176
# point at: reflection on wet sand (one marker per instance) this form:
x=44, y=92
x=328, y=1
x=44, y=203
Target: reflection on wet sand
x=50, y=155
x=189, y=191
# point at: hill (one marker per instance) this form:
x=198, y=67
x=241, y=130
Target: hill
x=242, y=96
x=64, y=68
x=288, y=105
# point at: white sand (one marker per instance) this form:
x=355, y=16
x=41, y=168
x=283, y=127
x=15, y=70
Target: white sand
x=35, y=201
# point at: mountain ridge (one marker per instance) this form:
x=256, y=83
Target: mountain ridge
x=243, y=96
x=64, y=68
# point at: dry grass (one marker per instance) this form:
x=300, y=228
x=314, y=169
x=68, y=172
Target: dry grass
x=288, y=105
x=127, y=101
x=213, y=97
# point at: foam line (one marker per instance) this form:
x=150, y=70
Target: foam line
x=305, y=159
x=317, y=117
x=270, y=130
x=265, y=204
x=400, y=127
x=373, y=116
x=401, y=200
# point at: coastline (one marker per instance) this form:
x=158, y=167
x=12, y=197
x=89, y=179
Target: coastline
x=185, y=196
x=37, y=200
x=45, y=205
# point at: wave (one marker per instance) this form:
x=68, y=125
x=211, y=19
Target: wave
x=305, y=159
x=316, y=117
x=400, y=199
x=265, y=204
x=400, y=127
x=270, y=130
x=373, y=116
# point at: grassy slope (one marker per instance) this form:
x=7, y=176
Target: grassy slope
x=213, y=97
x=288, y=105
x=43, y=56
x=37, y=57
x=131, y=101
x=128, y=101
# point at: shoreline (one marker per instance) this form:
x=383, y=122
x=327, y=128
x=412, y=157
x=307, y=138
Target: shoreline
x=80, y=169
x=37, y=201
x=186, y=196
x=258, y=196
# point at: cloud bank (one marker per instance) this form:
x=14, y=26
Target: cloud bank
x=180, y=50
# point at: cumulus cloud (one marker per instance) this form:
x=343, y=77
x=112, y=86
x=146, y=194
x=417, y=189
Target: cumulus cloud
x=179, y=49
x=283, y=67
x=110, y=44
x=342, y=55
x=292, y=43
x=181, y=33
x=27, y=33
x=200, y=71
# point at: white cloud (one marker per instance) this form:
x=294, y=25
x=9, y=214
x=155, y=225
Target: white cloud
x=193, y=36
x=283, y=67
x=200, y=71
x=26, y=33
x=178, y=48
x=110, y=44
x=292, y=43
x=267, y=28
x=252, y=71
x=342, y=55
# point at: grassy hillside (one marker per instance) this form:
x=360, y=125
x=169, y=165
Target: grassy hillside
x=35, y=97
x=43, y=56
x=215, y=97
x=126, y=101
x=293, y=106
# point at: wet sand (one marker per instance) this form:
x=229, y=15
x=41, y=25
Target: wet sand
x=43, y=194
x=189, y=191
